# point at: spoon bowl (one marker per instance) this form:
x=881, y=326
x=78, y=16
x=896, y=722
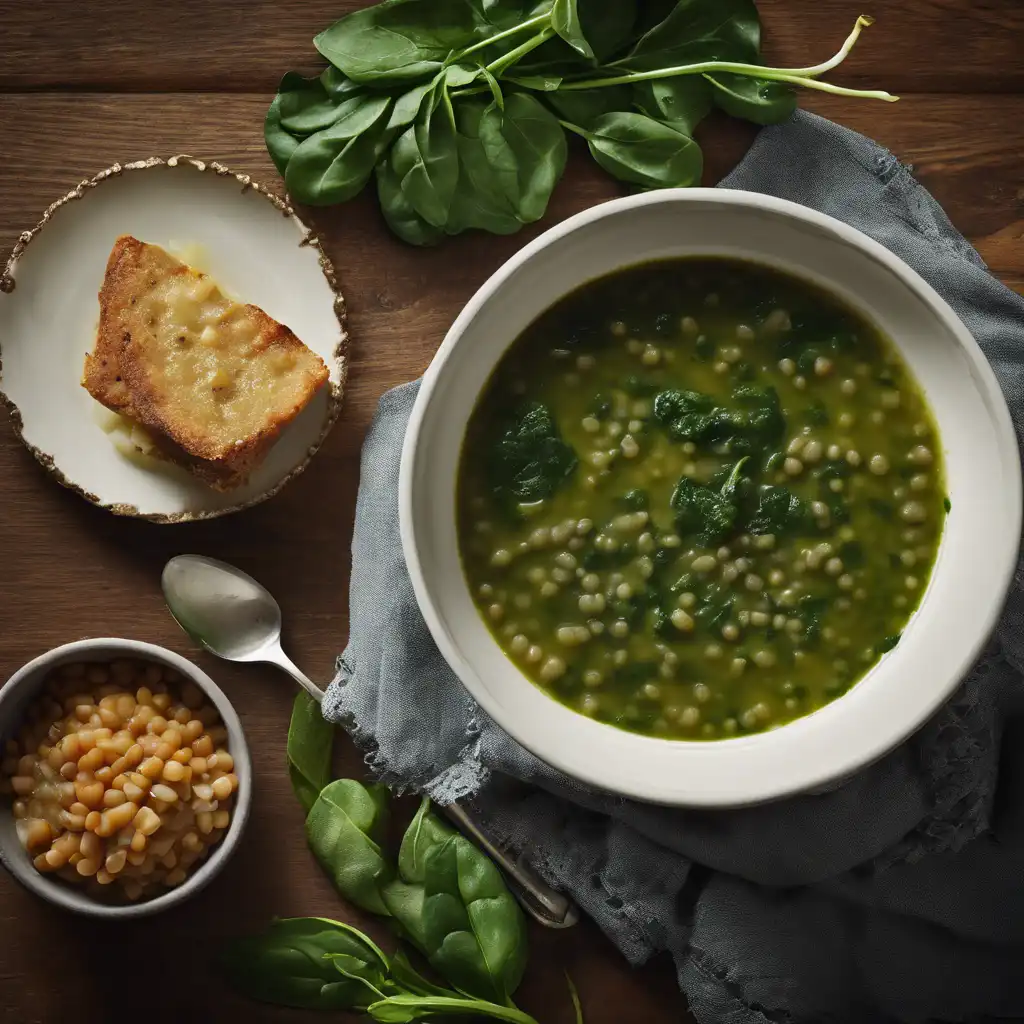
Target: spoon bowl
x=223, y=608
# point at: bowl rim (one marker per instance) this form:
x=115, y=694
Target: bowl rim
x=100, y=648
x=756, y=788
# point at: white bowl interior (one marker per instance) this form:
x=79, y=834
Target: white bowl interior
x=19, y=691
x=970, y=577
x=48, y=322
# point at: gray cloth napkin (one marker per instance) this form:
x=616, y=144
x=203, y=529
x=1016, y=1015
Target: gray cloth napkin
x=898, y=896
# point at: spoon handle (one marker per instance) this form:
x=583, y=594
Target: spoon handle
x=281, y=660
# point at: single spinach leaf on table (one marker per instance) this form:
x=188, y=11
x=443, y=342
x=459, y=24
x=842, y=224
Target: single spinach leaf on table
x=530, y=457
x=681, y=102
x=526, y=147
x=453, y=904
x=310, y=739
x=636, y=148
x=335, y=163
x=344, y=829
x=288, y=965
x=475, y=931
x=398, y=212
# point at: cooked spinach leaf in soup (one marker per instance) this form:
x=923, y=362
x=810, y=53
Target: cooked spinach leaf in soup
x=699, y=498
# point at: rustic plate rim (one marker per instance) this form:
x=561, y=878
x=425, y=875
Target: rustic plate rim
x=340, y=355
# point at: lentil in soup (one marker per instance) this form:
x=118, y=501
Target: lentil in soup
x=699, y=498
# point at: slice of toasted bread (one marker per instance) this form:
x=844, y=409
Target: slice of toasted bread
x=213, y=380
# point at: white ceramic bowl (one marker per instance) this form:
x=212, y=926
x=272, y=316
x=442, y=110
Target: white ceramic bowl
x=18, y=692
x=978, y=547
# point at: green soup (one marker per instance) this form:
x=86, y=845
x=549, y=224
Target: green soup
x=699, y=498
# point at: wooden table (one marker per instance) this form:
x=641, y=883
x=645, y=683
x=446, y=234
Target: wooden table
x=85, y=84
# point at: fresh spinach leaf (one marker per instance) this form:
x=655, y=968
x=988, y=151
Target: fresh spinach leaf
x=608, y=27
x=335, y=163
x=403, y=220
x=406, y=975
x=526, y=147
x=479, y=200
x=636, y=148
x=681, y=102
x=426, y=158
x=475, y=931
x=400, y=41
x=702, y=512
x=344, y=829
x=305, y=105
x=530, y=458
x=289, y=965
x=310, y=739
x=760, y=100
x=337, y=85
x=565, y=20
x=281, y=144
x=407, y=105
x=453, y=904
x=584, y=106
x=698, y=30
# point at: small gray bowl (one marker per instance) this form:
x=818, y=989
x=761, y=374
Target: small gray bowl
x=16, y=694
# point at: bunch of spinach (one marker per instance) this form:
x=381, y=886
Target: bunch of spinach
x=459, y=108
x=443, y=896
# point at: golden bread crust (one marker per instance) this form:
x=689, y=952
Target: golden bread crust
x=214, y=381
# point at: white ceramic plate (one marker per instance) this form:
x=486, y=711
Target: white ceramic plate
x=976, y=558
x=245, y=237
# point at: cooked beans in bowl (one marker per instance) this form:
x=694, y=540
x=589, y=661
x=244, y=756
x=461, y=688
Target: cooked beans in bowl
x=120, y=779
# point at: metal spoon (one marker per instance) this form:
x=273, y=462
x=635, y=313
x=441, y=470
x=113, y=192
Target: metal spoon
x=234, y=617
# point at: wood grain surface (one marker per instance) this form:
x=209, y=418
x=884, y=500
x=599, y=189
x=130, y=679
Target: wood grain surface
x=83, y=85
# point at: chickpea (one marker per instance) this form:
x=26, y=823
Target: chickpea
x=102, y=776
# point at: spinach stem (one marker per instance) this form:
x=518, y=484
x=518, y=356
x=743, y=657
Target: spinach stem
x=458, y=1005
x=805, y=77
x=540, y=19
x=503, y=63
x=574, y=128
x=711, y=66
x=833, y=62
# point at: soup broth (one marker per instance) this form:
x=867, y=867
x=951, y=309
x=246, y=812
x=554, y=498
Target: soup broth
x=699, y=498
